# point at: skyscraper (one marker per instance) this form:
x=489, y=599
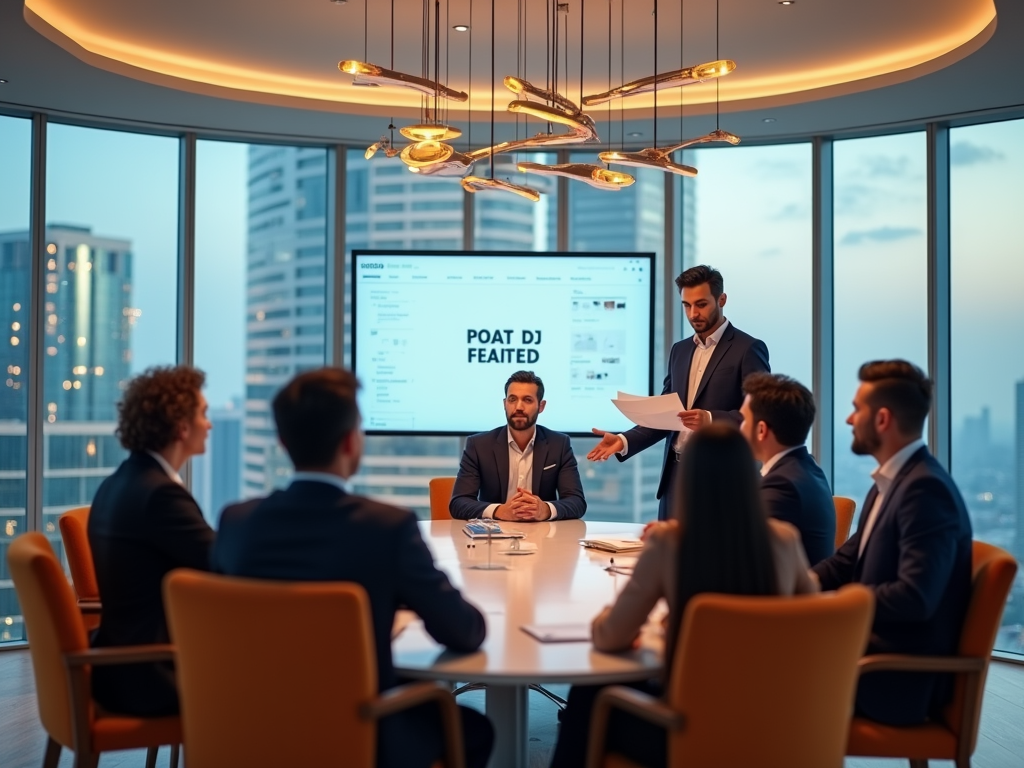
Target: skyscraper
x=1018, y=467
x=217, y=473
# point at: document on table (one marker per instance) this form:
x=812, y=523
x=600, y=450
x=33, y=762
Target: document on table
x=658, y=412
x=558, y=633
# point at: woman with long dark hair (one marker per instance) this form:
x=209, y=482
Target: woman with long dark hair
x=719, y=540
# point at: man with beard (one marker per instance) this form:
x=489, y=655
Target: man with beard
x=522, y=471
x=706, y=372
x=912, y=546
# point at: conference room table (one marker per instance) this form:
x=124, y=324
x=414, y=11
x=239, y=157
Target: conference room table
x=560, y=583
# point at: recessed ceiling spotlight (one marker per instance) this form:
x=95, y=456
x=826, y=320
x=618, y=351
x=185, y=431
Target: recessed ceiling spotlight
x=634, y=134
x=768, y=120
x=339, y=2
x=787, y=2
x=461, y=28
x=3, y=81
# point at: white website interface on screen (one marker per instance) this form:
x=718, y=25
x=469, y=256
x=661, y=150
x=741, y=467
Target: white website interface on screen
x=436, y=336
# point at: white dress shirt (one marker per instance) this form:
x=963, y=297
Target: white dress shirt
x=698, y=364
x=767, y=466
x=167, y=467
x=884, y=477
x=520, y=473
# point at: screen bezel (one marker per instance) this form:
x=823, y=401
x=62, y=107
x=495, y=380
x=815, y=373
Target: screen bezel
x=650, y=256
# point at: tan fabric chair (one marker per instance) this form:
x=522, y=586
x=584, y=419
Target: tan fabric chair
x=845, y=509
x=440, y=497
x=304, y=697
x=955, y=736
x=757, y=681
x=74, y=527
x=62, y=662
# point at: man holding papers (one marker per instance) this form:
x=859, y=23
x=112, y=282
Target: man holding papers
x=706, y=374
x=522, y=471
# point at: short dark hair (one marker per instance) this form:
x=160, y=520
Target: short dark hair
x=155, y=403
x=526, y=377
x=314, y=413
x=699, y=275
x=783, y=403
x=901, y=387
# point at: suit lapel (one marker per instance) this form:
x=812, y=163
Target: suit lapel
x=720, y=350
x=540, y=460
x=887, y=501
x=682, y=376
x=501, y=460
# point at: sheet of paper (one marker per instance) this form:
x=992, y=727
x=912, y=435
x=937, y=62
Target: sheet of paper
x=659, y=412
x=558, y=633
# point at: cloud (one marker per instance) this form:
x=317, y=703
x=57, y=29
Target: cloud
x=887, y=166
x=880, y=235
x=965, y=153
x=779, y=169
x=791, y=212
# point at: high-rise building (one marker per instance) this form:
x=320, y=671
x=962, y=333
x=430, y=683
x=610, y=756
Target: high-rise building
x=1018, y=467
x=217, y=473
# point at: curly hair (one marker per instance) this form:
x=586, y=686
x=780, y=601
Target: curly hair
x=155, y=403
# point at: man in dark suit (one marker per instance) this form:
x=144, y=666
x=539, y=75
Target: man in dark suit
x=912, y=546
x=316, y=530
x=777, y=416
x=521, y=471
x=707, y=373
x=143, y=524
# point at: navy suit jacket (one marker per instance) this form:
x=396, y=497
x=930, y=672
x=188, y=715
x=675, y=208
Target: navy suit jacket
x=483, y=474
x=720, y=391
x=314, y=531
x=917, y=561
x=795, y=490
x=142, y=525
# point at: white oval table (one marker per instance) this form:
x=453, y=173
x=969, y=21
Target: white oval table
x=561, y=583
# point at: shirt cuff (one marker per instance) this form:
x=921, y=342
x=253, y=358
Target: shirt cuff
x=554, y=512
x=710, y=417
x=625, y=445
x=489, y=511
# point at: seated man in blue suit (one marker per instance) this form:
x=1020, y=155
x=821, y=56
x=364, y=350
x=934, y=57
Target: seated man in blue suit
x=316, y=530
x=777, y=416
x=521, y=471
x=912, y=546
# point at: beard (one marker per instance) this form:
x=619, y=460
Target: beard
x=865, y=445
x=702, y=324
x=525, y=422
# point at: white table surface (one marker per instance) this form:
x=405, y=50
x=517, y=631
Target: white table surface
x=561, y=583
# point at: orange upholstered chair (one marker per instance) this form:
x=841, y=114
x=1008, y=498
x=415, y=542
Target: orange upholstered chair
x=845, y=509
x=306, y=697
x=74, y=526
x=440, y=497
x=757, y=681
x=62, y=662
x=955, y=735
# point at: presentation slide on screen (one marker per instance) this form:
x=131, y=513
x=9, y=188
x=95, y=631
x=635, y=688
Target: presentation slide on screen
x=436, y=336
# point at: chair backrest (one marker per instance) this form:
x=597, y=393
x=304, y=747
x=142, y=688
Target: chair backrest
x=440, y=497
x=992, y=573
x=272, y=673
x=844, y=518
x=54, y=626
x=768, y=681
x=74, y=526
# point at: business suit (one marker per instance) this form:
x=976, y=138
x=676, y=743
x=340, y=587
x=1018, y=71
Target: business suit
x=142, y=525
x=795, y=490
x=917, y=560
x=315, y=531
x=720, y=391
x=483, y=474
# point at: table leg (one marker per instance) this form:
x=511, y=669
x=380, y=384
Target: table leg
x=506, y=706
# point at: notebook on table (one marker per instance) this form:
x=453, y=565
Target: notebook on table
x=614, y=545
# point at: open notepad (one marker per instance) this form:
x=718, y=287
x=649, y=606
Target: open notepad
x=609, y=544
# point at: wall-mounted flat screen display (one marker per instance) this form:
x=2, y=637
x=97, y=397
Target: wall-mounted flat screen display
x=435, y=336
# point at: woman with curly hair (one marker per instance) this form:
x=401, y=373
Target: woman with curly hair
x=144, y=523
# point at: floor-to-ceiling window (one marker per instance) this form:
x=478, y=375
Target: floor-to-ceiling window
x=111, y=255
x=987, y=387
x=15, y=339
x=881, y=285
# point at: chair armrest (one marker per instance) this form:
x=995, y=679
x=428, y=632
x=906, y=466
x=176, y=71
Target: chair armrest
x=635, y=702
x=90, y=606
x=900, y=662
x=411, y=695
x=124, y=654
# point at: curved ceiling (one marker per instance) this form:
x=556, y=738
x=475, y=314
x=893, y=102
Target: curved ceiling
x=269, y=52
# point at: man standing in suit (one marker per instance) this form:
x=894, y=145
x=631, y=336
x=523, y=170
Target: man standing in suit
x=144, y=524
x=707, y=373
x=522, y=471
x=777, y=416
x=316, y=530
x=912, y=546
